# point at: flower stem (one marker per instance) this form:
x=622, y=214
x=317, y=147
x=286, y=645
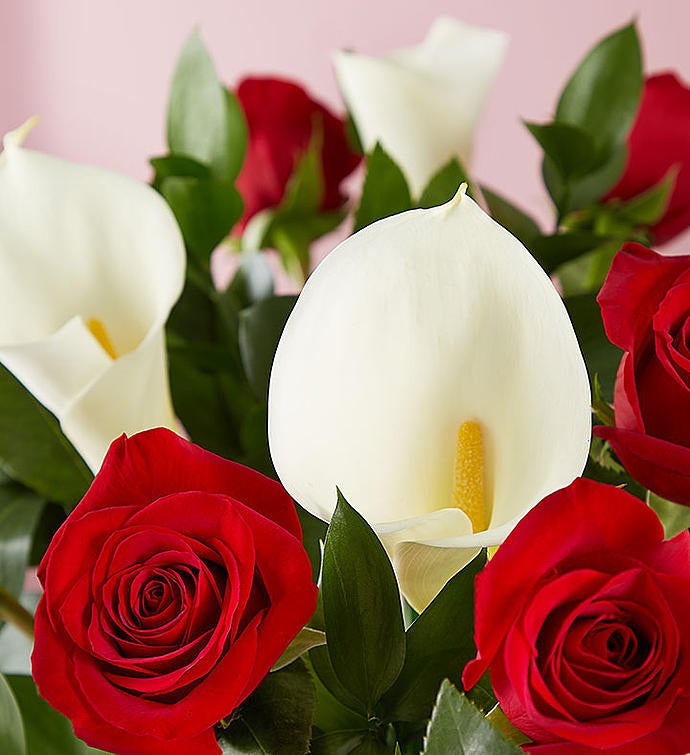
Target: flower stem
x=14, y=613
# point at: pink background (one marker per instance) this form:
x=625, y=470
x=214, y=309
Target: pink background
x=97, y=72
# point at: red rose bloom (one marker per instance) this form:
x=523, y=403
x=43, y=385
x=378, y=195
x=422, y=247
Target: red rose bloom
x=658, y=141
x=282, y=118
x=582, y=618
x=645, y=306
x=170, y=591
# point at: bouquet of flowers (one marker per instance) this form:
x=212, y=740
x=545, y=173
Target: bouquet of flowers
x=436, y=503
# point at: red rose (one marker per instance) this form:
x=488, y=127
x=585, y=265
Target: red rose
x=660, y=140
x=281, y=118
x=645, y=306
x=170, y=591
x=582, y=618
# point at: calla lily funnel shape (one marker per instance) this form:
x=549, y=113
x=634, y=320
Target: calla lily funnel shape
x=423, y=103
x=90, y=265
x=426, y=345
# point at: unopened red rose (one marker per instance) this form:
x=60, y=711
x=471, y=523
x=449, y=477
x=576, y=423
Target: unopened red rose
x=170, y=591
x=660, y=140
x=282, y=119
x=582, y=619
x=645, y=306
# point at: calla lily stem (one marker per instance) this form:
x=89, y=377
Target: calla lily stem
x=14, y=613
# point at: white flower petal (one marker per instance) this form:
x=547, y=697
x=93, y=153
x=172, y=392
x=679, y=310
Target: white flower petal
x=78, y=244
x=423, y=103
x=411, y=327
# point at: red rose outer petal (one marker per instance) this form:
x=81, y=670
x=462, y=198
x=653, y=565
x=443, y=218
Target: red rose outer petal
x=637, y=281
x=156, y=463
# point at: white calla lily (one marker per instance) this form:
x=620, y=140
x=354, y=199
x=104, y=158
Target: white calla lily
x=423, y=103
x=91, y=263
x=428, y=357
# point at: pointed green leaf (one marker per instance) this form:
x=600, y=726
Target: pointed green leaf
x=444, y=184
x=276, y=718
x=11, y=726
x=603, y=94
x=261, y=326
x=313, y=537
x=364, y=626
x=33, y=449
x=649, y=207
x=204, y=120
x=571, y=149
x=205, y=209
x=457, y=727
x=439, y=644
x=299, y=220
x=674, y=516
x=306, y=639
x=385, y=191
x=521, y=225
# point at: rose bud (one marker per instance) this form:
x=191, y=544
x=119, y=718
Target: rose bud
x=587, y=640
x=645, y=306
x=659, y=141
x=282, y=120
x=170, y=591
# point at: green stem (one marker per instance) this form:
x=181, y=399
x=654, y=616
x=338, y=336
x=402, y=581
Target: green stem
x=14, y=613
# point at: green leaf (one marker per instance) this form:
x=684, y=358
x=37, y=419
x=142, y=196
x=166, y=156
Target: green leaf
x=603, y=94
x=571, y=149
x=20, y=511
x=601, y=356
x=11, y=726
x=205, y=209
x=674, y=516
x=33, y=449
x=261, y=326
x=581, y=192
x=553, y=251
x=649, y=207
x=348, y=742
x=600, y=406
x=306, y=639
x=439, y=644
x=385, y=191
x=276, y=718
x=444, y=184
x=457, y=726
x=204, y=120
x=364, y=625
x=299, y=220
x=47, y=731
x=177, y=165
x=513, y=219
x=336, y=708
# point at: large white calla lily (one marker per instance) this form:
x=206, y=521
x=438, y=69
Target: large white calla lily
x=90, y=265
x=430, y=371
x=423, y=103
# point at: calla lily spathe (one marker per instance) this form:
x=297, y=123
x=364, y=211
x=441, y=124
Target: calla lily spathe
x=91, y=263
x=423, y=103
x=411, y=328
